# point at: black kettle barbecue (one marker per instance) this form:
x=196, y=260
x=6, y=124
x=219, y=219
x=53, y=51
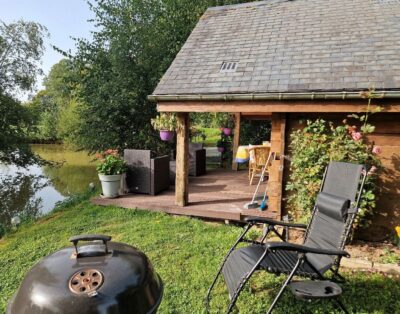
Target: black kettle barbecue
x=98, y=277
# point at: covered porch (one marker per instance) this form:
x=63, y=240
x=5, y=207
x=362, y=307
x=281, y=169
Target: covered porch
x=218, y=195
x=237, y=182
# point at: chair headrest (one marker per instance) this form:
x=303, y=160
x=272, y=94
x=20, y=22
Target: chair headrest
x=333, y=206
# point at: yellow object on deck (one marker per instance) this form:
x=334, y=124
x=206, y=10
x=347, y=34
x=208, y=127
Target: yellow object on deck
x=242, y=154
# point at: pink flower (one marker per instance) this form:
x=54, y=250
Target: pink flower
x=377, y=150
x=356, y=136
x=372, y=170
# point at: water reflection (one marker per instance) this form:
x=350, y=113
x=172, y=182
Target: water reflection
x=35, y=190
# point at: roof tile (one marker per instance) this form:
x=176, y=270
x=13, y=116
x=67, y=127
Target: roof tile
x=286, y=46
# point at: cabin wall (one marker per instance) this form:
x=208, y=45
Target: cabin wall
x=386, y=135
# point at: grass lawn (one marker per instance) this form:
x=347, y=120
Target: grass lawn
x=212, y=136
x=186, y=253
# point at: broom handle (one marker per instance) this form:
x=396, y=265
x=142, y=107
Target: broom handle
x=268, y=162
x=262, y=176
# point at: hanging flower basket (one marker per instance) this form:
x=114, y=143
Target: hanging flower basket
x=166, y=124
x=221, y=149
x=166, y=135
x=227, y=131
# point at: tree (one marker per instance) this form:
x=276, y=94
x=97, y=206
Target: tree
x=21, y=47
x=135, y=43
x=50, y=105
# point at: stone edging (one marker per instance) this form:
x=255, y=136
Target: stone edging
x=355, y=263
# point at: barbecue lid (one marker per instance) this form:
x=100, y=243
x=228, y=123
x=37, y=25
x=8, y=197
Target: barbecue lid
x=99, y=277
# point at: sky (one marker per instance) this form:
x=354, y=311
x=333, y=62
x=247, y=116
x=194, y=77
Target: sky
x=63, y=18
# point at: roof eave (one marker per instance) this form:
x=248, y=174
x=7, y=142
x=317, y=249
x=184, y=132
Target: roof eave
x=320, y=95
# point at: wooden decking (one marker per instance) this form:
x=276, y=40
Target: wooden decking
x=220, y=195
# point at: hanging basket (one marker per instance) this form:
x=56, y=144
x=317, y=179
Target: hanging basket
x=227, y=131
x=166, y=136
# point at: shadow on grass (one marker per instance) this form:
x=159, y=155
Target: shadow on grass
x=362, y=293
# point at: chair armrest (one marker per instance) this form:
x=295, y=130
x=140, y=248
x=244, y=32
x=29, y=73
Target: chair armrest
x=274, y=222
x=304, y=249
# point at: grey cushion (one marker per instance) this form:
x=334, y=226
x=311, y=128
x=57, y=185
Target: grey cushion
x=333, y=206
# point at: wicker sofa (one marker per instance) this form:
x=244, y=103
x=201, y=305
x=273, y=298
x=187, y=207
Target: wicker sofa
x=197, y=162
x=146, y=175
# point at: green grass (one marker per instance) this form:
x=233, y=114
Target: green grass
x=185, y=252
x=212, y=136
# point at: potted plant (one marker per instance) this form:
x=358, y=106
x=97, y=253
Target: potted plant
x=226, y=122
x=166, y=124
x=110, y=169
x=221, y=145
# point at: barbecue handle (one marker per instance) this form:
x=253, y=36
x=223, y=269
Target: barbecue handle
x=90, y=237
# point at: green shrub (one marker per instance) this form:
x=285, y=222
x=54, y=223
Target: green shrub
x=313, y=147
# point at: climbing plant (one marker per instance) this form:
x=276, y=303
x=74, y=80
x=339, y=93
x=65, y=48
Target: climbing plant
x=320, y=142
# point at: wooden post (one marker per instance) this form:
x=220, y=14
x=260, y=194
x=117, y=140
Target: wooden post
x=182, y=159
x=236, y=138
x=276, y=174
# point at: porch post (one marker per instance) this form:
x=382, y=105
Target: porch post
x=236, y=139
x=278, y=127
x=182, y=159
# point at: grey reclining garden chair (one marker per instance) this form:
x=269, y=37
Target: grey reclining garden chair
x=325, y=237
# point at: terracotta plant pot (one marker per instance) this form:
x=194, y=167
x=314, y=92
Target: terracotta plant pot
x=227, y=131
x=221, y=149
x=110, y=185
x=166, y=136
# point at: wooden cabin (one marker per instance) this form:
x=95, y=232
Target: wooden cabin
x=284, y=61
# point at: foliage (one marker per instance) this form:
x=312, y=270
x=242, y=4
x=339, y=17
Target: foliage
x=312, y=148
x=164, y=122
x=15, y=121
x=225, y=142
x=55, y=109
x=21, y=47
x=224, y=120
x=389, y=257
x=254, y=132
x=186, y=253
x=110, y=163
x=134, y=43
x=69, y=121
x=203, y=119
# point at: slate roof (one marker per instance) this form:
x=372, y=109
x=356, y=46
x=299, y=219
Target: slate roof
x=290, y=46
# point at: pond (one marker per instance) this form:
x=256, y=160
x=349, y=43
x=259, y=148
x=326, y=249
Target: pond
x=35, y=190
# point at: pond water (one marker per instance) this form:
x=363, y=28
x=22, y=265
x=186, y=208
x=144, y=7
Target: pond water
x=35, y=190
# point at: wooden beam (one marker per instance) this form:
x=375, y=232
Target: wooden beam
x=182, y=159
x=271, y=106
x=236, y=139
x=275, y=182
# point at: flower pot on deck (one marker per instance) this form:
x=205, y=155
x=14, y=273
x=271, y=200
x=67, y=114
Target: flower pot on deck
x=110, y=185
x=227, y=131
x=166, y=136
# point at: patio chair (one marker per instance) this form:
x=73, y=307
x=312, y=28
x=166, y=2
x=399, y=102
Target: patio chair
x=258, y=158
x=323, y=247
